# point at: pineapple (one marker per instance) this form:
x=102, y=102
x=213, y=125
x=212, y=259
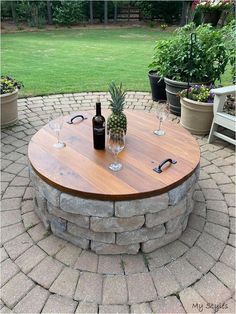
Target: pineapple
x=117, y=119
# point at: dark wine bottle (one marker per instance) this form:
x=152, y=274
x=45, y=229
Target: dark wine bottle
x=98, y=128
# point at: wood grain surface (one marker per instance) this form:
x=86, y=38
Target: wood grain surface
x=80, y=170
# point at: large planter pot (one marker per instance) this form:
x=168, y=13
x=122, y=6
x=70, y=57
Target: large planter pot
x=9, y=111
x=172, y=90
x=196, y=116
x=157, y=86
x=212, y=17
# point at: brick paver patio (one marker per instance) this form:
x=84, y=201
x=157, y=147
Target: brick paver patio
x=42, y=273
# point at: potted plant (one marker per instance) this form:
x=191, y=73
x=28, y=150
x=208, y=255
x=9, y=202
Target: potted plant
x=197, y=109
x=172, y=60
x=157, y=85
x=9, y=95
x=211, y=9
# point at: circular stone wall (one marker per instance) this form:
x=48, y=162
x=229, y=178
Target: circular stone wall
x=115, y=227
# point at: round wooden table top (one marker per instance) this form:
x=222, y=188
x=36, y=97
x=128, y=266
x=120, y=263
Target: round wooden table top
x=79, y=169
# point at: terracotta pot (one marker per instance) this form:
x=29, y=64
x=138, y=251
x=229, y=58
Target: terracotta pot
x=196, y=116
x=9, y=111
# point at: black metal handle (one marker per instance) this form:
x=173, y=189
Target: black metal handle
x=77, y=116
x=159, y=170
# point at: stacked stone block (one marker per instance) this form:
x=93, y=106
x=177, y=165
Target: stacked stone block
x=115, y=227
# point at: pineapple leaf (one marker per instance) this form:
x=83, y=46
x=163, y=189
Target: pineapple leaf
x=117, y=97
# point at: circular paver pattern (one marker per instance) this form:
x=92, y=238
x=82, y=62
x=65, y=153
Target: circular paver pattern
x=42, y=273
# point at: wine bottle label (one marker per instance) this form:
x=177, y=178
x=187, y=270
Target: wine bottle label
x=99, y=131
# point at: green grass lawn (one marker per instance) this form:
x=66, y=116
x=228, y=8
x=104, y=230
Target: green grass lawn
x=64, y=61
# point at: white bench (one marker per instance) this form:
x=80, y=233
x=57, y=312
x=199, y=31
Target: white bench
x=222, y=118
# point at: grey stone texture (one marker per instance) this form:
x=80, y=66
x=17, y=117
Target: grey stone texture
x=141, y=235
x=80, y=220
x=52, y=244
x=87, y=261
x=115, y=290
x=15, y=289
x=225, y=274
x=175, y=249
x=112, y=227
x=184, y=272
x=59, y=304
x=65, y=283
x=113, y=309
x=157, y=258
x=46, y=272
x=141, y=288
x=152, y=245
x=104, y=237
x=141, y=308
x=18, y=245
x=142, y=206
x=86, y=207
x=33, y=302
x=115, y=224
x=217, y=231
x=89, y=288
x=200, y=259
x=210, y=245
x=166, y=215
x=228, y=256
x=215, y=296
x=178, y=193
x=83, y=243
x=165, y=282
x=30, y=258
x=8, y=270
x=69, y=254
x=193, y=302
x=134, y=264
x=103, y=248
x=110, y=264
x=190, y=236
x=167, y=305
x=88, y=308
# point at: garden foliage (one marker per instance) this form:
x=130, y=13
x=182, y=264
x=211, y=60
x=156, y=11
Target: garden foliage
x=9, y=85
x=69, y=13
x=200, y=93
x=209, y=55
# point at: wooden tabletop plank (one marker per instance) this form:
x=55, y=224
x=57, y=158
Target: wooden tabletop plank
x=80, y=170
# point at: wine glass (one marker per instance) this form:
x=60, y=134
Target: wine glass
x=116, y=143
x=55, y=123
x=162, y=113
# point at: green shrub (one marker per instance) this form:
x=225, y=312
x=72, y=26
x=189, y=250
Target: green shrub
x=209, y=55
x=23, y=11
x=32, y=12
x=5, y=10
x=161, y=10
x=69, y=13
x=229, y=35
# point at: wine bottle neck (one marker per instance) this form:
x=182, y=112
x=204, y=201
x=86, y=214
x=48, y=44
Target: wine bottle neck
x=98, y=109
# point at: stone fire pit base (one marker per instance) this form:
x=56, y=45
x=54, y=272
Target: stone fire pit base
x=115, y=227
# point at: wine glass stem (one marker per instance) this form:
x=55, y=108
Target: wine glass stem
x=58, y=137
x=160, y=121
x=115, y=158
